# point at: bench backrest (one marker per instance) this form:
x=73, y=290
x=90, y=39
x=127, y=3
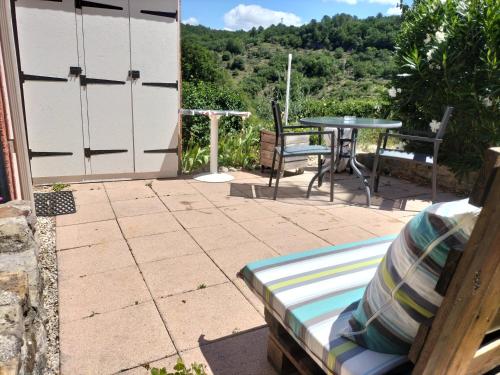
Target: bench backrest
x=454, y=342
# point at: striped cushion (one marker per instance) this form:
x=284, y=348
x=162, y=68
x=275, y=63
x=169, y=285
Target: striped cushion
x=313, y=295
x=394, y=321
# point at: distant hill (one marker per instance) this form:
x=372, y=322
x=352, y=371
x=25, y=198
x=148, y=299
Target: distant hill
x=338, y=57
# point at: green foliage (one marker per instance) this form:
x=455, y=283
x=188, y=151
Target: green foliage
x=181, y=369
x=195, y=129
x=200, y=64
x=235, y=46
x=448, y=55
x=194, y=157
x=59, y=187
x=240, y=149
x=238, y=63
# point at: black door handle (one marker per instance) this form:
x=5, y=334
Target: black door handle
x=134, y=74
x=75, y=70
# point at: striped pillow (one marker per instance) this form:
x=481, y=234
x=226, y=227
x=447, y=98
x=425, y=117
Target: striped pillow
x=401, y=295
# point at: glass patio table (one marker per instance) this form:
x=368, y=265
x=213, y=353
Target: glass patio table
x=354, y=123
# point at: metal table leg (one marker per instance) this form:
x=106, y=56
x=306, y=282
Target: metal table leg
x=321, y=171
x=355, y=165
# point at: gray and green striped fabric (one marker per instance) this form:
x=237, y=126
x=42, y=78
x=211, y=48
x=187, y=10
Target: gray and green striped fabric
x=313, y=294
x=401, y=296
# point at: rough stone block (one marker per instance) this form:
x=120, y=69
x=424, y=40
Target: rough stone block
x=16, y=234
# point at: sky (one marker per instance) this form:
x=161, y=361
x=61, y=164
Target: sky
x=241, y=14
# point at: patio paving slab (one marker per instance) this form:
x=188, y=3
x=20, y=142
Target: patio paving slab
x=271, y=227
x=242, y=354
x=125, y=184
x=87, y=213
x=162, y=246
x=95, y=195
x=248, y=211
x=87, y=186
x=227, y=235
x=173, y=187
x=186, y=202
x=138, y=207
x=208, y=314
x=130, y=193
x=313, y=221
x=87, y=234
x=111, y=342
x=202, y=218
x=291, y=243
x=81, y=297
x=181, y=274
x=89, y=260
x=248, y=294
x=146, y=225
x=232, y=259
x=345, y=234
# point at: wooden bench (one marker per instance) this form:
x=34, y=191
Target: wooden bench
x=456, y=341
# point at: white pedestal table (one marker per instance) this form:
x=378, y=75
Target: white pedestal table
x=214, y=116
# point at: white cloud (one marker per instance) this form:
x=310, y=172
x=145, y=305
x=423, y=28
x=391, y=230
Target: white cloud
x=388, y=2
x=191, y=21
x=350, y=2
x=394, y=11
x=247, y=16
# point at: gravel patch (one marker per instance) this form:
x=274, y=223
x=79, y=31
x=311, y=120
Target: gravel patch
x=46, y=234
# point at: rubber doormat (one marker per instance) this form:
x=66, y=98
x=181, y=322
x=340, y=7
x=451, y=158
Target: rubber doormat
x=55, y=203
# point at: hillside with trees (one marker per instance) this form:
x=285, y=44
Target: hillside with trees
x=338, y=57
x=340, y=63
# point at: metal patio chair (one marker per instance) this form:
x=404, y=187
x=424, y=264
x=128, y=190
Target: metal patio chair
x=413, y=157
x=282, y=151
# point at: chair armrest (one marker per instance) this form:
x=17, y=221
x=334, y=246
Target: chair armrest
x=299, y=127
x=309, y=133
x=412, y=137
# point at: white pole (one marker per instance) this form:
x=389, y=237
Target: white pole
x=214, y=143
x=289, y=75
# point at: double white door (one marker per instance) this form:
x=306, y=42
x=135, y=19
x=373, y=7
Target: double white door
x=100, y=82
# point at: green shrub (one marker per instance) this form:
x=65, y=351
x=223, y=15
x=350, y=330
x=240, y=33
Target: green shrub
x=238, y=63
x=240, y=149
x=448, y=55
x=194, y=157
x=181, y=369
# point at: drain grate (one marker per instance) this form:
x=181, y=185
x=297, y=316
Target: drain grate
x=55, y=203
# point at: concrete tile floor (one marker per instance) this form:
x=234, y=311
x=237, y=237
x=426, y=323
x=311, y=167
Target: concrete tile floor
x=147, y=269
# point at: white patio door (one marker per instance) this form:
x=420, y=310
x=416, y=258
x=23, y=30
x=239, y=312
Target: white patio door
x=106, y=44
x=48, y=48
x=155, y=93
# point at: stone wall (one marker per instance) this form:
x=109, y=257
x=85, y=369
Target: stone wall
x=422, y=174
x=22, y=334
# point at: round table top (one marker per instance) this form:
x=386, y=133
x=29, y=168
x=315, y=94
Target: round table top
x=351, y=122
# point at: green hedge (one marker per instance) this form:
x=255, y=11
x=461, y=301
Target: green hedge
x=205, y=95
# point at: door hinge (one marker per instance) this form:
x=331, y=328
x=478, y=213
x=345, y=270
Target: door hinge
x=89, y=152
x=32, y=77
x=42, y=154
x=162, y=151
x=171, y=85
x=91, y=4
x=84, y=81
x=161, y=14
